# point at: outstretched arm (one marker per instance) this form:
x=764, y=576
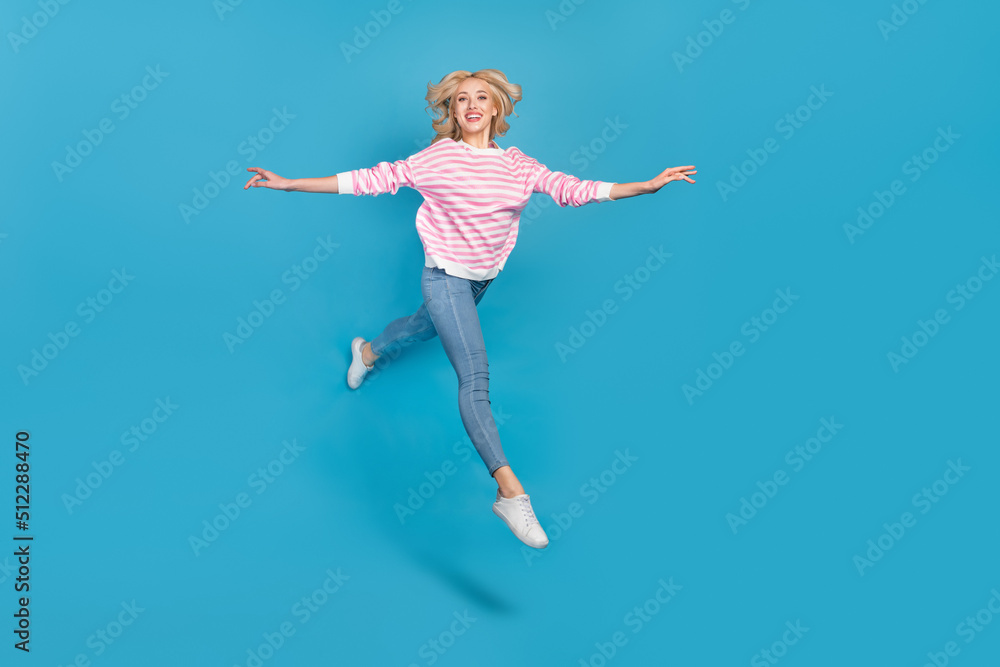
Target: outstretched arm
x=623, y=190
x=268, y=179
x=383, y=177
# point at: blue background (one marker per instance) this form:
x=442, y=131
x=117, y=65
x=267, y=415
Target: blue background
x=562, y=419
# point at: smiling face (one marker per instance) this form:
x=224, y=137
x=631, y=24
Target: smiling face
x=473, y=107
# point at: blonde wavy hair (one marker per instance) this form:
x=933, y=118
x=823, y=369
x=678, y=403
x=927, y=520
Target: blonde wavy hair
x=441, y=97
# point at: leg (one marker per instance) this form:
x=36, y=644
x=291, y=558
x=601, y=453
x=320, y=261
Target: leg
x=400, y=332
x=414, y=328
x=451, y=303
x=507, y=482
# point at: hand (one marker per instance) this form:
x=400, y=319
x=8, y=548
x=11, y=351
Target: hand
x=266, y=179
x=672, y=174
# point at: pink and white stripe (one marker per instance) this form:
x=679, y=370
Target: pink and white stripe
x=473, y=198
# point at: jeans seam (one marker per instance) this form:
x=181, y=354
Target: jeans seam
x=468, y=355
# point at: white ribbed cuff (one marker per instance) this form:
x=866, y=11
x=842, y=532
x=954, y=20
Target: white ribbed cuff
x=345, y=184
x=604, y=192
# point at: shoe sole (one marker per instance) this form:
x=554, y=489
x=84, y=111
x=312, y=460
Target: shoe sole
x=506, y=523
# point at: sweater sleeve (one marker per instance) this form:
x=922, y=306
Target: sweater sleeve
x=569, y=190
x=383, y=177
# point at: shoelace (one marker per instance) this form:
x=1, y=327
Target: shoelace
x=529, y=514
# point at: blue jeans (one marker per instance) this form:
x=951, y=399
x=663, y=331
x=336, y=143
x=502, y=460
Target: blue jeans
x=449, y=311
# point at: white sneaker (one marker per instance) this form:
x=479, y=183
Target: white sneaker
x=358, y=369
x=516, y=512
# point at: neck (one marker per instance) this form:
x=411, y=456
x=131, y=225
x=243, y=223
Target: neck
x=478, y=140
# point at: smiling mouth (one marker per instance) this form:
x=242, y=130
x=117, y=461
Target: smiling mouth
x=472, y=118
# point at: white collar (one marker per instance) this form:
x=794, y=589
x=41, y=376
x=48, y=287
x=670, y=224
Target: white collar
x=488, y=151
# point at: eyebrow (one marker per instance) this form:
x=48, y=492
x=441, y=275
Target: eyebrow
x=462, y=92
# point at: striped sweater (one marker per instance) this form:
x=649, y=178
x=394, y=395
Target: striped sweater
x=473, y=198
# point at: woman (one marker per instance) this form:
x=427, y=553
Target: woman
x=474, y=192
